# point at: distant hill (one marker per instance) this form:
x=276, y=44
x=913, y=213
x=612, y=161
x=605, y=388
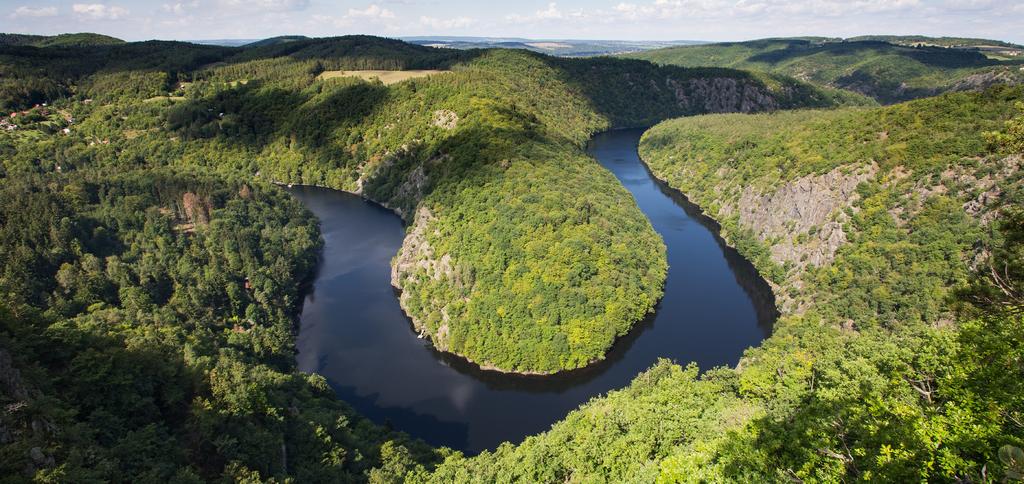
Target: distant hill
x=284, y=39
x=892, y=70
x=958, y=42
x=62, y=40
x=58, y=70
x=225, y=42
x=353, y=52
x=556, y=47
x=994, y=49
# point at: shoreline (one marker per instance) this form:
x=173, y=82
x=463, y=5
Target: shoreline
x=765, y=313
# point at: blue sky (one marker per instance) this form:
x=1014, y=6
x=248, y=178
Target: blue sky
x=601, y=19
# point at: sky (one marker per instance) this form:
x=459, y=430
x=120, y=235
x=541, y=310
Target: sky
x=566, y=19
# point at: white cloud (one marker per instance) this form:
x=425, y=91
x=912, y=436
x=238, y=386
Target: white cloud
x=180, y=8
x=552, y=13
x=448, y=23
x=371, y=14
x=254, y=6
x=98, y=11
x=675, y=9
x=968, y=4
x=34, y=12
x=664, y=10
x=372, y=11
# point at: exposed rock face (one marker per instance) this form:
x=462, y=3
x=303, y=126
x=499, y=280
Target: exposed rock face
x=418, y=259
x=816, y=250
x=802, y=222
x=989, y=191
x=987, y=79
x=720, y=95
x=872, y=86
x=982, y=194
x=10, y=379
x=408, y=182
x=415, y=248
x=810, y=203
x=445, y=119
x=413, y=186
x=17, y=422
x=197, y=209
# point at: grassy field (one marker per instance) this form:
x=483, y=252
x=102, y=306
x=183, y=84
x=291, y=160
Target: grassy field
x=387, y=77
x=165, y=98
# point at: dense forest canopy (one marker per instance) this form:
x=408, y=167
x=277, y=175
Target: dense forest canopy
x=485, y=160
x=146, y=333
x=923, y=383
x=140, y=253
x=62, y=40
x=151, y=270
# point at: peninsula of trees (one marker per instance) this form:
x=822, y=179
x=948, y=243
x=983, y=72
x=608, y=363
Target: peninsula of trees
x=151, y=270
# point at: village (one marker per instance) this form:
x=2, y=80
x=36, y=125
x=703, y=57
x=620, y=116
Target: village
x=40, y=116
x=44, y=119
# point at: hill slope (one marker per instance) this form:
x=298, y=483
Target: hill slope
x=557, y=47
x=885, y=71
x=868, y=220
x=283, y=39
x=485, y=162
x=62, y=40
x=448, y=151
x=144, y=309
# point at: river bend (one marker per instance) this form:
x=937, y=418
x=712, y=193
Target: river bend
x=354, y=333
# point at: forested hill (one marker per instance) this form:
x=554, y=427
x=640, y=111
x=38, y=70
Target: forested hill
x=62, y=40
x=969, y=43
x=481, y=124
x=151, y=271
x=895, y=236
x=146, y=334
x=283, y=39
x=146, y=309
x=888, y=69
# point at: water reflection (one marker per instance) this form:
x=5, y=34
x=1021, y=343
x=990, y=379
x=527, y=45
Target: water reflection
x=355, y=335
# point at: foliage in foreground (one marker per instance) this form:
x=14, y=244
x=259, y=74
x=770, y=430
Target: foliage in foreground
x=901, y=394
x=138, y=348
x=146, y=334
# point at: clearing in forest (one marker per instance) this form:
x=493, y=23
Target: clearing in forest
x=387, y=77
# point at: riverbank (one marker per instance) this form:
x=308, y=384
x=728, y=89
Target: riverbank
x=355, y=333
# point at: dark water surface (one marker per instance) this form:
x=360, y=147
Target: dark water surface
x=354, y=333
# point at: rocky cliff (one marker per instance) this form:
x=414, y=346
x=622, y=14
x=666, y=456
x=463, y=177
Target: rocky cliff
x=791, y=202
x=419, y=264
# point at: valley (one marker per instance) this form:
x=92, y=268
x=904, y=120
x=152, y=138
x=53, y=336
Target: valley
x=357, y=259
x=887, y=69
x=719, y=308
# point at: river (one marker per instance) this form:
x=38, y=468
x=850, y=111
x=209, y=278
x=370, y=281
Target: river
x=354, y=333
